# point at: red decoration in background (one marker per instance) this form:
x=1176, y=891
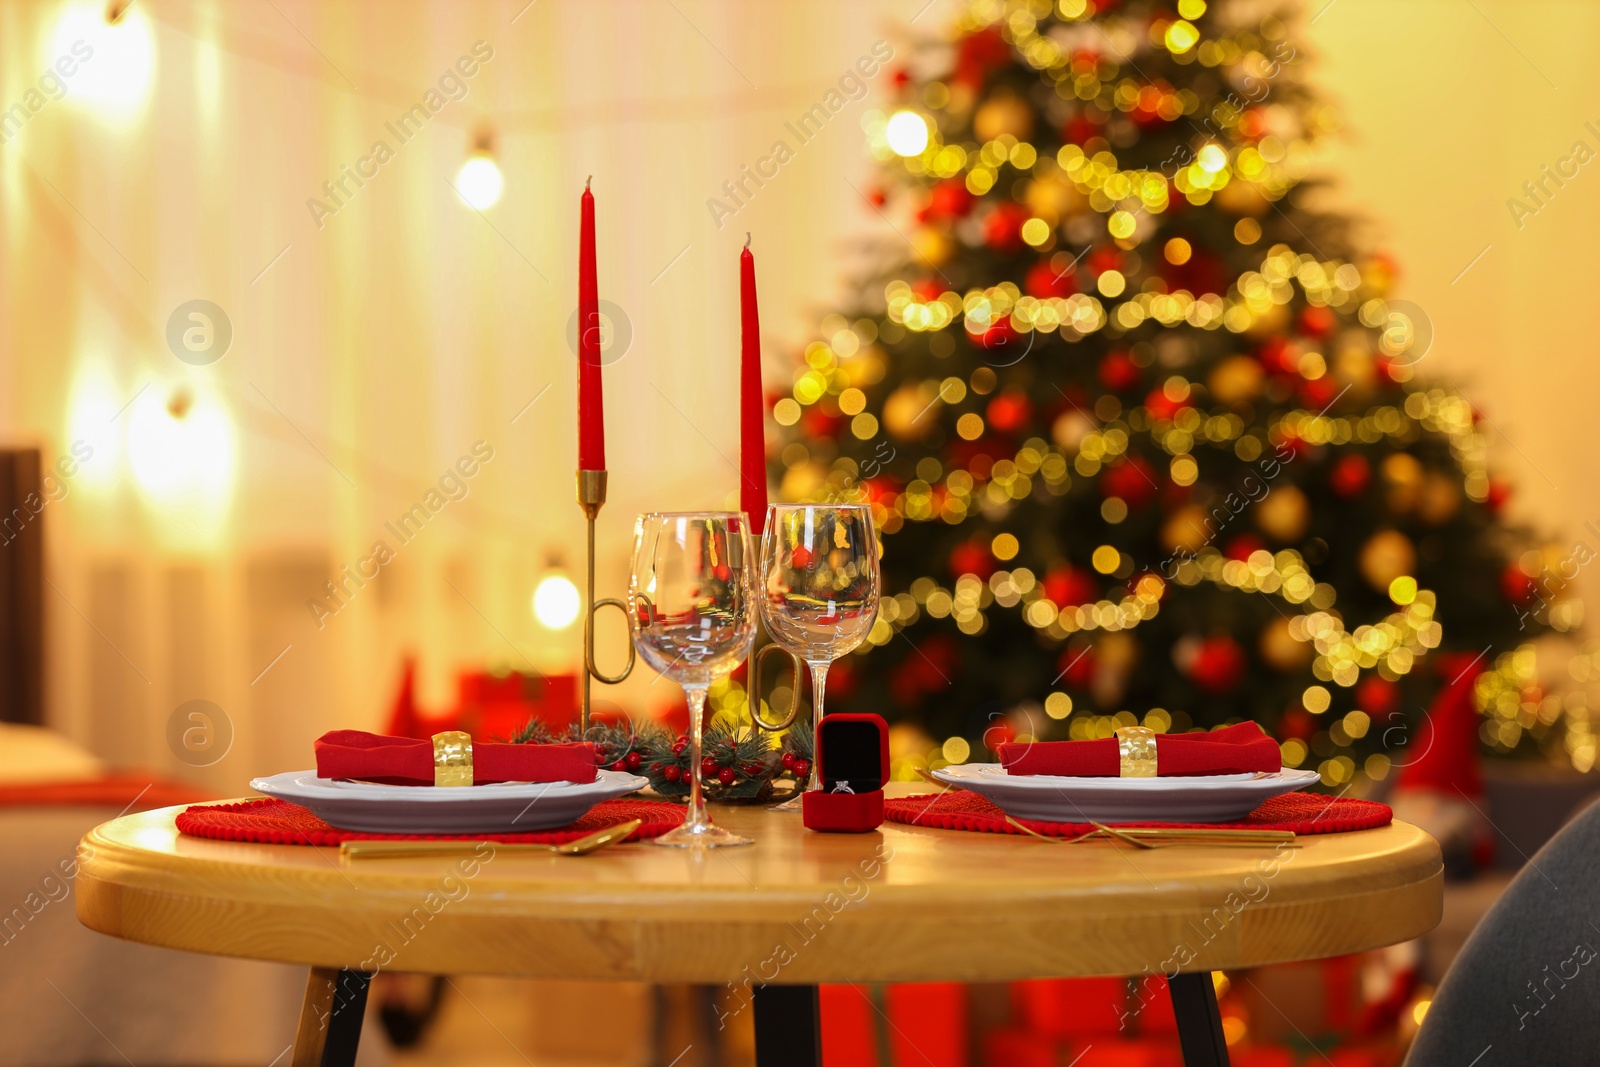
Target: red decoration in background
x=1162, y=406
x=1318, y=393
x=1080, y=128
x=1132, y=479
x=1516, y=586
x=917, y=676
x=1243, y=547
x=1278, y=355
x=1219, y=665
x=978, y=54
x=998, y=334
x=1002, y=227
x=1119, y=372
x=1499, y=493
x=1044, y=281
x=1444, y=756
x=927, y=290
x=591, y=408
x=1010, y=412
x=972, y=557
x=1296, y=723
x=1377, y=696
x=1076, y=665
x=1104, y=258
x=1317, y=321
x=1068, y=587
x=1350, y=475
x=950, y=199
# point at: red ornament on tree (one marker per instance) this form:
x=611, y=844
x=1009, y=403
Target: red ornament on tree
x=1002, y=227
x=1350, y=476
x=1378, y=696
x=1010, y=412
x=1243, y=547
x=1219, y=665
x=1045, y=281
x=950, y=199
x=1132, y=479
x=972, y=557
x=1068, y=587
x=1516, y=586
x=1119, y=372
x=1076, y=665
x=1317, y=322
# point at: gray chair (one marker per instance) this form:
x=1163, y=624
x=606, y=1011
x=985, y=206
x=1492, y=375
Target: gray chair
x=1526, y=987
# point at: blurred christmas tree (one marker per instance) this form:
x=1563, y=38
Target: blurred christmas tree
x=1143, y=431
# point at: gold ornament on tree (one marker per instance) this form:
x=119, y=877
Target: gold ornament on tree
x=1236, y=380
x=1387, y=555
x=1001, y=114
x=1283, y=514
x=1280, y=649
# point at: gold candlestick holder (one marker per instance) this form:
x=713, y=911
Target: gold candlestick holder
x=591, y=497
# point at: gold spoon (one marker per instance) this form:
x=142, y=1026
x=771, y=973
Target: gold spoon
x=581, y=847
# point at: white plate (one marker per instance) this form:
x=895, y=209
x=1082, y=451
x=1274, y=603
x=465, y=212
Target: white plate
x=1047, y=798
x=503, y=807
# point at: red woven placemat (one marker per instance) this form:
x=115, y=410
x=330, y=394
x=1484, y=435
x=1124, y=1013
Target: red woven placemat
x=278, y=822
x=1303, y=813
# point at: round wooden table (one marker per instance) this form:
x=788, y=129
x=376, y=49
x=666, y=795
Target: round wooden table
x=904, y=904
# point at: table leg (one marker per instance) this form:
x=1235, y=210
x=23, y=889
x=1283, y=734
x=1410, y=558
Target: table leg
x=788, y=1026
x=330, y=1018
x=1194, y=1002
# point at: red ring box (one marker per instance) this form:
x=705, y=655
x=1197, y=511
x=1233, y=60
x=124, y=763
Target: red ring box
x=854, y=750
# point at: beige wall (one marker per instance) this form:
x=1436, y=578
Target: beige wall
x=378, y=348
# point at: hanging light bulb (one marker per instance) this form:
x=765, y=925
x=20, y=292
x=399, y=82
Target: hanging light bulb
x=479, y=182
x=556, y=601
x=109, y=48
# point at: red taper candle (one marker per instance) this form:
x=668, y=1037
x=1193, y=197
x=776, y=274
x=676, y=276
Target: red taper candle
x=591, y=404
x=752, y=427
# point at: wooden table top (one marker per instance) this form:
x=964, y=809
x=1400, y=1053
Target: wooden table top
x=903, y=904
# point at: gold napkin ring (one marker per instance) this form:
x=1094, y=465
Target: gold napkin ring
x=1136, y=749
x=452, y=758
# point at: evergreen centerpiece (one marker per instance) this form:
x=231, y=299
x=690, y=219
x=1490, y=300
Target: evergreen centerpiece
x=737, y=762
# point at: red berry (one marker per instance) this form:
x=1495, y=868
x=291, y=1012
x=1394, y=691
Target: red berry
x=671, y=772
x=788, y=761
x=802, y=558
x=726, y=776
x=599, y=758
x=679, y=745
x=753, y=770
x=708, y=767
x=802, y=768
x=633, y=760
x=620, y=765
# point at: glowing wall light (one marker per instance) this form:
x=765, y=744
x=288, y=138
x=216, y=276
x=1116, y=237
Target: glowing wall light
x=556, y=601
x=479, y=182
x=109, y=49
x=181, y=449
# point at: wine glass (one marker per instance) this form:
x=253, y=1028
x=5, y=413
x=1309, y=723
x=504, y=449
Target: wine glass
x=691, y=618
x=819, y=568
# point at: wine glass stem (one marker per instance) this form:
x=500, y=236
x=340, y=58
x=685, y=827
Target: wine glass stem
x=697, y=800
x=819, y=686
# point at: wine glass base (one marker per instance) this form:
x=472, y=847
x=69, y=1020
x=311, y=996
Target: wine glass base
x=707, y=836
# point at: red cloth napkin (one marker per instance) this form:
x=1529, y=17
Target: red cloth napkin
x=408, y=761
x=1237, y=749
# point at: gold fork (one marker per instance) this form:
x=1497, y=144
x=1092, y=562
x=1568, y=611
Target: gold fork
x=1157, y=837
x=581, y=847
